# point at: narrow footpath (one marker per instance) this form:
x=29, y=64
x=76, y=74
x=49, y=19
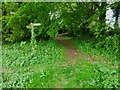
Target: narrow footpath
x=73, y=54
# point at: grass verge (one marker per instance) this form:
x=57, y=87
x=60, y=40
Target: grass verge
x=48, y=68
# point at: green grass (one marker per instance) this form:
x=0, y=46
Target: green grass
x=48, y=68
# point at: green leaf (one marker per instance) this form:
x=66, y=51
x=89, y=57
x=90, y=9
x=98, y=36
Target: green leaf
x=104, y=69
x=113, y=71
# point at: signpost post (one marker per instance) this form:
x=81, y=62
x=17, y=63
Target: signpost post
x=33, y=41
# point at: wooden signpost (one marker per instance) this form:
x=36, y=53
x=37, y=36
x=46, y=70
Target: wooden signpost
x=33, y=41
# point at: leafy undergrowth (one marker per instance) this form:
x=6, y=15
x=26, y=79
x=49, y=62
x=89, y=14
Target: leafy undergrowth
x=48, y=68
x=87, y=46
x=105, y=61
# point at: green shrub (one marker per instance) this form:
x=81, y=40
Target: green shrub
x=109, y=43
x=106, y=78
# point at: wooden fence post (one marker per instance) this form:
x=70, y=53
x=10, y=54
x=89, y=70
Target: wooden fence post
x=33, y=41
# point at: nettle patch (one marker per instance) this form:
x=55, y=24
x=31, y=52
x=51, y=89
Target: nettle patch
x=21, y=54
x=106, y=78
x=19, y=61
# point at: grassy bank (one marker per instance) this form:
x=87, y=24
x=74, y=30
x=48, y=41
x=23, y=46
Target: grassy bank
x=49, y=68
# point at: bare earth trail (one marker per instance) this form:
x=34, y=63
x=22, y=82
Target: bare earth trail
x=73, y=54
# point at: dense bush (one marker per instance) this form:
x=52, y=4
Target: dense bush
x=74, y=18
x=33, y=13
x=109, y=43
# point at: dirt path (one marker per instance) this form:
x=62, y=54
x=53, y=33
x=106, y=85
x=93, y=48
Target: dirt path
x=71, y=51
x=73, y=54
